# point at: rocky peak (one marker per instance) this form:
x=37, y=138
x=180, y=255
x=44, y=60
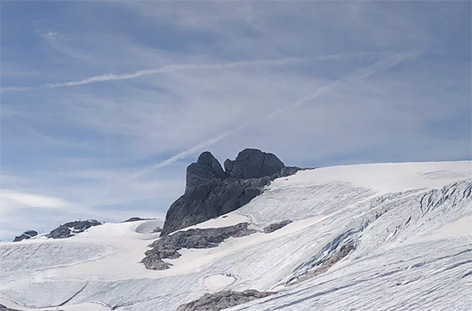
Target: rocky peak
x=206, y=169
x=253, y=163
x=250, y=163
x=211, y=192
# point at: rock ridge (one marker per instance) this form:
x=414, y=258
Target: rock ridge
x=72, y=228
x=223, y=300
x=169, y=245
x=25, y=235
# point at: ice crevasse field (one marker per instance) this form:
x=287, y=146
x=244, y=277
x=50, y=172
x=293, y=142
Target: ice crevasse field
x=364, y=237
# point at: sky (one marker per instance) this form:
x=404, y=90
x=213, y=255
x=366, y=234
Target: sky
x=105, y=103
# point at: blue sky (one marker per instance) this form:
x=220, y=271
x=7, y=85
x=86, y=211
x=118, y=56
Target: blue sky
x=104, y=104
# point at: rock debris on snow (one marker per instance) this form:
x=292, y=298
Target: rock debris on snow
x=72, y=228
x=276, y=226
x=169, y=245
x=223, y=300
x=25, y=235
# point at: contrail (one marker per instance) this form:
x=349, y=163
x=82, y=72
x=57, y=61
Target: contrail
x=186, y=152
x=164, y=69
x=104, y=78
x=356, y=75
x=175, y=68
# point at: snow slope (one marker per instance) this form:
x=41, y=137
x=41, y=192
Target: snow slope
x=408, y=226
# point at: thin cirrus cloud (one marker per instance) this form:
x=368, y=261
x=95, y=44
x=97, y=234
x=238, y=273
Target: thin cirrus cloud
x=179, y=67
x=13, y=198
x=16, y=89
x=164, y=69
x=362, y=73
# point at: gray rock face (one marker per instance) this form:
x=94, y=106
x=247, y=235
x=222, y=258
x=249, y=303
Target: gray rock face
x=210, y=200
x=222, y=300
x=205, y=170
x=253, y=163
x=71, y=228
x=276, y=226
x=211, y=192
x=169, y=245
x=25, y=235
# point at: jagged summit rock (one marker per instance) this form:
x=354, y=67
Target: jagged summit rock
x=250, y=163
x=211, y=192
x=206, y=169
x=253, y=163
x=25, y=235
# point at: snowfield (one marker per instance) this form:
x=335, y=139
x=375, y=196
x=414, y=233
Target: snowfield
x=363, y=237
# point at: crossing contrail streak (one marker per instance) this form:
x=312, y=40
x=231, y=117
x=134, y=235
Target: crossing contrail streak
x=161, y=70
x=356, y=75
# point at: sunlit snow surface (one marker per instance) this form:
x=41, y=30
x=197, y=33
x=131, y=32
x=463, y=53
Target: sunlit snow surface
x=410, y=223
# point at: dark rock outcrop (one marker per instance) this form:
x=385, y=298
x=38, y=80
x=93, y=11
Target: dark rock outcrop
x=222, y=300
x=153, y=261
x=276, y=226
x=253, y=163
x=132, y=219
x=211, y=192
x=25, y=235
x=72, y=228
x=206, y=169
x=169, y=245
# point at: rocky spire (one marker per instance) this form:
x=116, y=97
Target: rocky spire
x=205, y=170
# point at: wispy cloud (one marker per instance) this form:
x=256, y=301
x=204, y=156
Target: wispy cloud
x=16, y=89
x=22, y=210
x=356, y=75
x=52, y=35
x=14, y=199
x=187, y=152
x=164, y=69
x=107, y=77
x=179, y=67
x=62, y=43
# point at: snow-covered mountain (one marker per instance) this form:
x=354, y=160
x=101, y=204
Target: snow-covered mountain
x=362, y=237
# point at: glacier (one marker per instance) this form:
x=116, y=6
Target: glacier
x=394, y=236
